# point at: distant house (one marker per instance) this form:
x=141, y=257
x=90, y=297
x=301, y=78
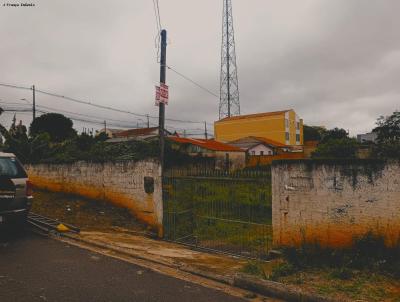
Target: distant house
x=284, y=127
x=259, y=146
x=109, y=131
x=367, y=137
x=225, y=156
x=136, y=134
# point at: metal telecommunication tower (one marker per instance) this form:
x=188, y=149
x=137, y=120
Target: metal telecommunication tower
x=229, y=104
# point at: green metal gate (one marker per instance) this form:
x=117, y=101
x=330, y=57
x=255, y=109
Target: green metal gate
x=219, y=211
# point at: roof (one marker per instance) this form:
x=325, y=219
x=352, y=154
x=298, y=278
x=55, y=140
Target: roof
x=252, y=141
x=269, y=141
x=137, y=132
x=239, y=117
x=3, y=154
x=113, y=130
x=209, y=144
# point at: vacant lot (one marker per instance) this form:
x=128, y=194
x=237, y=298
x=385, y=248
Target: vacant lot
x=84, y=213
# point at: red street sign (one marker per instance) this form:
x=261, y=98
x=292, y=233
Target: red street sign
x=162, y=94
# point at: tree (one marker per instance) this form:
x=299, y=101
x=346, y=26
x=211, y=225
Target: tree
x=337, y=148
x=388, y=141
x=313, y=133
x=388, y=128
x=56, y=125
x=334, y=134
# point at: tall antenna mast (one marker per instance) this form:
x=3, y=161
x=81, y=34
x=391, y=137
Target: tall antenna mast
x=229, y=104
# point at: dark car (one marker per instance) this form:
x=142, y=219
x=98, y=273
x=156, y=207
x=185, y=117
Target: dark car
x=15, y=191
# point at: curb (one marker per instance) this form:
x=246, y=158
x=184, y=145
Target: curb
x=115, y=249
x=242, y=281
x=276, y=289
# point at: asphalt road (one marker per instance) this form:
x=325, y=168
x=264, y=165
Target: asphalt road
x=36, y=268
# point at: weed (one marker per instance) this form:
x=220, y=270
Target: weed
x=341, y=273
x=282, y=270
x=368, y=252
x=254, y=268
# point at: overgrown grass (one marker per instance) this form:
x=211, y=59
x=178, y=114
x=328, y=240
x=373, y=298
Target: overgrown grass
x=230, y=213
x=368, y=252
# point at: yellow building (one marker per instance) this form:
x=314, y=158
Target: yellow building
x=281, y=126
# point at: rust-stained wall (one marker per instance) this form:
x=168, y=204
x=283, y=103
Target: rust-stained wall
x=121, y=183
x=332, y=202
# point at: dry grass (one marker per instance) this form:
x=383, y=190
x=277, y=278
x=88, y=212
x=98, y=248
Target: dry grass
x=84, y=213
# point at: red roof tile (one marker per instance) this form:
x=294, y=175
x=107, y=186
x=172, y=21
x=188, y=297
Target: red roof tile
x=136, y=132
x=269, y=141
x=209, y=144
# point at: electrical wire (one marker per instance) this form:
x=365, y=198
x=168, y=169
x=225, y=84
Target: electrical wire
x=15, y=86
x=192, y=81
x=157, y=39
x=86, y=115
x=113, y=108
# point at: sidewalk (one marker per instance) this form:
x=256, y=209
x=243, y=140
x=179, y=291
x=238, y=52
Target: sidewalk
x=223, y=269
x=166, y=253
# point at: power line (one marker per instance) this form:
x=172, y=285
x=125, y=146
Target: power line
x=86, y=115
x=113, y=108
x=89, y=103
x=15, y=86
x=157, y=14
x=159, y=27
x=192, y=81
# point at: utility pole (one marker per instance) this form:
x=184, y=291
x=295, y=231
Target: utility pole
x=161, y=121
x=105, y=127
x=33, y=103
x=148, y=121
x=205, y=130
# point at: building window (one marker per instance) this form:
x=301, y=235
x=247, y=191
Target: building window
x=261, y=153
x=253, y=152
x=269, y=152
x=287, y=136
x=297, y=125
x=297, y=137
x=287, y=123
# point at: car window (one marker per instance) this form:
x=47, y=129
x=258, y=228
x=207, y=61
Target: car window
x=9, y=166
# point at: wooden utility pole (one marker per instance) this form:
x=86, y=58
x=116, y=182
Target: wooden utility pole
x=33, y=103
x=205, y=130
x=161, y=121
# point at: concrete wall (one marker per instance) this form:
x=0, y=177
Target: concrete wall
x=121, y=183
x=237, y=160
x=334, y=202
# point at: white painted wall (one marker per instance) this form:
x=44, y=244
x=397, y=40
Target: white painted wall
x=260, y=148
x=121, y=183
x=332, y=203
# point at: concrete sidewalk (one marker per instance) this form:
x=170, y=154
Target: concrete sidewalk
x=217, y=267
x=167, y=253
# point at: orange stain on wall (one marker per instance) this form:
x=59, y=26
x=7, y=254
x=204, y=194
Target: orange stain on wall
x=336, y=235
x=144, y=212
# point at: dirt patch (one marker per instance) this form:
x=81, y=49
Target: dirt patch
x=85, y=213
x=363, y=286
x=349, y=285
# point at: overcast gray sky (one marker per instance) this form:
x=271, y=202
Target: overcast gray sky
x=336, y=62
